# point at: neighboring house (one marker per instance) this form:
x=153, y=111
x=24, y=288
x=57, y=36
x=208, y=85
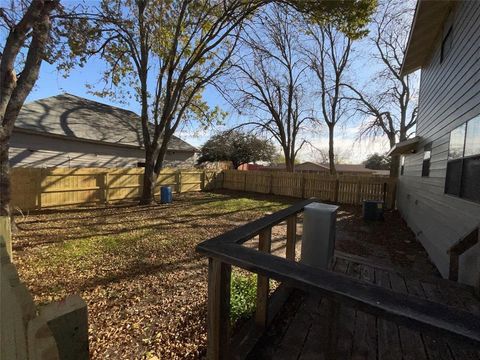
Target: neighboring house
x=250, y=167
x=439, y=186
x=311, y=167
x=343, y=169
x=70, y=131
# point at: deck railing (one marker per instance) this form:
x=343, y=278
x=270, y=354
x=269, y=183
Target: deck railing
x=226, y=250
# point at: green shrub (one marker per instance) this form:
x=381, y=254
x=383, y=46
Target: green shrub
x=243, y=295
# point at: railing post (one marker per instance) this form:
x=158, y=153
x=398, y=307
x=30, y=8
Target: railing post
x=291, y=237
x=218, y=317
x=264, y=244
x=453, y=267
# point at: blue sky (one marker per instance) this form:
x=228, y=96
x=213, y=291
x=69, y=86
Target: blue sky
x=51, y=83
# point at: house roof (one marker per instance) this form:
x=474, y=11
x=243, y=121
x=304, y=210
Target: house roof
x=426, y=27
x=309, y=165
x=351, y=168
x=75, y=117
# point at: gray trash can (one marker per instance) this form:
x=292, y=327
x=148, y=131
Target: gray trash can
x=318, y=240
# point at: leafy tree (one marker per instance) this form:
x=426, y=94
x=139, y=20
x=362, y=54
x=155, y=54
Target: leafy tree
x=378, y=162
x=237, y=147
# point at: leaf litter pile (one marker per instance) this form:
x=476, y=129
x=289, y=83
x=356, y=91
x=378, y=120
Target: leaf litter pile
x=135, y=266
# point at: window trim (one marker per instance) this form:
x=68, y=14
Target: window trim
x=402, y=164
x=462, y=161
x=426, y=162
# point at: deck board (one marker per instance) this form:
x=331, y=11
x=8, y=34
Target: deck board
x=359, y=335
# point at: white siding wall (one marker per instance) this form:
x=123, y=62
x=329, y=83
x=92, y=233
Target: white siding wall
x=45, y=151
x=449, y=96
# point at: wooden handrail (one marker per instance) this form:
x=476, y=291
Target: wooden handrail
x=457, y=249
x=407, y=310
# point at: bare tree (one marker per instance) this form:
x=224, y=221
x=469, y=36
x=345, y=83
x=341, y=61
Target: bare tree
x=328, y=56
x=27, y=28
x=322, y=155
x=390, y=106
x=267, y=83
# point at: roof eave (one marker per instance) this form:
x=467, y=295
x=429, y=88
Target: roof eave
x=91, y=141
x=404, y=147
x=426, y=26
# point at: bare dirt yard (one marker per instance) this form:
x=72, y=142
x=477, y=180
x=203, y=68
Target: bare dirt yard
x=137, y=269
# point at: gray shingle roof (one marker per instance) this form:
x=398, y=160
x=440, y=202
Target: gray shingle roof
x=80, y=118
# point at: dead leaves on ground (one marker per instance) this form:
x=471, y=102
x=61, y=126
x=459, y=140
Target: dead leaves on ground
x=136, y=268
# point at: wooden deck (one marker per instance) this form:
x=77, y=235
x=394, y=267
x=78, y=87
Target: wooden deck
x=303, y=329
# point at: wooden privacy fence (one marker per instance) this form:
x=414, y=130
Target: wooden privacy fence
x=343, y=189
x=36, y=188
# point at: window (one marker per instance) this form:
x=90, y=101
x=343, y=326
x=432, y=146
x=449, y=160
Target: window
x=402, y=165
x=463, y=167
x=427, y=154
x=457, y=142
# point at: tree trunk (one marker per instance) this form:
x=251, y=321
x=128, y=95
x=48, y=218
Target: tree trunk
x=395, y=163
x=394, y=166
x=331, y=152
x=149, y=180
x=5, y=187
x=289, y=162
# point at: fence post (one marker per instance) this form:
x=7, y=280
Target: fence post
x=303, y=185
x=358, y=195
x=202, y=180
x=271, y=183
x=261, y=313
x=336, y=190
x=218, y=317
x=39, y=188
x=178, y=180
x=245, y=181
x=385, y=194
x=107, y=188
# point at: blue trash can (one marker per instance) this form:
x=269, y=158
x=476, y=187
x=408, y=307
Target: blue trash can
x=165, y=195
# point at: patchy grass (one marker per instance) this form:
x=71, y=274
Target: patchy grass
x=137, y=269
